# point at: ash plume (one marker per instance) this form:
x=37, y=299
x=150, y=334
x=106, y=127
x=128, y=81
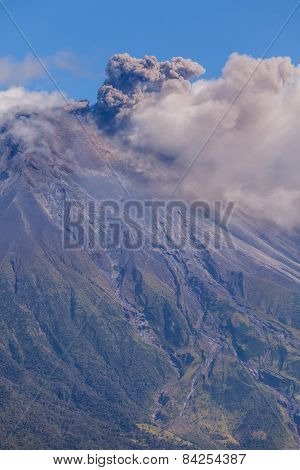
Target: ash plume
x=130, y=80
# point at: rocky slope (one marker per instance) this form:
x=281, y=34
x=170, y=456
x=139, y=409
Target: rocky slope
x=152, y=348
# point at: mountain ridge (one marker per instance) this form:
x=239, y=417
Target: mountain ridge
x=117, y=348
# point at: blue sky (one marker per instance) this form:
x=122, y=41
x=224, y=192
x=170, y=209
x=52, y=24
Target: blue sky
x=86, y=33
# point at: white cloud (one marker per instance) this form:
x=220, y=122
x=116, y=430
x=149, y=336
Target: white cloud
x=253, y=156
x=66, y=60
x=27, y=118
x=18, y=99
x=19, y=73
x=24, y=71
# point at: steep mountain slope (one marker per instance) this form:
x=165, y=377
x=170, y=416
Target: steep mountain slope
x=159, y=347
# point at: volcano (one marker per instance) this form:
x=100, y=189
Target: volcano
x=161, y=347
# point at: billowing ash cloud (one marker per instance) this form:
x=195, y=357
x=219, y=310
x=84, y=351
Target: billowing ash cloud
x=251, y=114
x=129, y=80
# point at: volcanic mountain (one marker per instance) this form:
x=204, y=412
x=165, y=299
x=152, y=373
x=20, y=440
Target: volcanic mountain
x=160, y=347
